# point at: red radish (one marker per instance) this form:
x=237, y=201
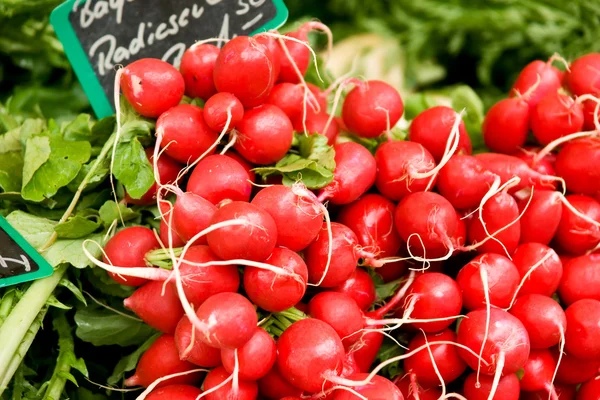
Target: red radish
x=506, y=125
x=245, y=68
x=479, y=388
x=197, y=66
x=584, y=75
x=448, y=363
x=578, y=163
x=393, y=270
x=175, y=392
x=273, y=292
x=412, y=390
x=341, y=312
x=543, y=318
x=316, y=123
x=355, y=171
x=378, y=388
x=289, y=97
x=546, y=276
x=264, y=135
x=272, y=44
x=298, y=220
x=537, y=79
x=572, y=370
x=372, y=108
x=589, y=390
x=321, y=95
x=555, y=116
x=192, y=349
x=253, y=241
x=589, y=112
x=168, y=171
x=218, y=108
x=464, y=168
x=274, y=387
x=583, y=329
x=360, y=288
x=432, y=129
x=540, y=220
x=507, y=167
x=544, y=166
x=246, y=390
x=183, y=133
x=539, y=370
x=218, y=177
x=581, y=279
x=161, y=359
x=191, y=215
x=309, y=342
x=128, y=249
x=255, y=358
x=167, y=233
x=157, y=304
x=247, y=166
x=344, y=256
x=152, y=86
x=576, y=235
x=564, y=392
x=399, y=164
x=365, y=350
x=502, y=280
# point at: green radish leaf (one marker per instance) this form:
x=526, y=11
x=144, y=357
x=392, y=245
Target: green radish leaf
x=129, y=362
x=132, y=168
x=416, y=103
x=78, y=129
x=94, y=200
x=95, y=180
x=463, y=97
x=390, y=349
x=11, y=171
x=78, y=226
x=71, y=251
x=109, y=213
x=71, y=287
x=100, y=280
x=35, y=230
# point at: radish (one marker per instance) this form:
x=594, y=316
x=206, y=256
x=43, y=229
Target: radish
x=506, y=125
x=432, y=129
x=539, y=371
x=564, y=392
x=508, y=167
x=275, y=292
x=161, y=359
x=555, y=116
x=572, y=370
x=583, y=329
x=581, y=279
x=191, y=215
x=221, y=108
x=541, y=218
x=469, y=169
x=255, y=358
x=589, y=115
x=271, y=43
x=245, y=68
x=576, y=235
x=218, y=177
x=168, y=172
x=274, y=387
x=151, y=86
x=546, y=277
x=583, y=77
x=298, y=220
x=247, y=166
x=403, y=168
x=543, y=318
x=360, y=287
x=395, y=270
x=197, y=67
x=412, y=390
x=192, y=349
x=128, y=249
x=183, y=133
x=157, y=304
x=167, y=234
x=218, y=386
x=480, y=387
x=264, y=135
x=365, y=350
x=578, y=163
x=538, y=79
x=252, y=241
x=589, y=390
x=290, y=98
x=502, y=279
x=340, y=312
x=378, y=389
x=175, y=392
x=318, y=123
x=544, y=166
x=355, y=172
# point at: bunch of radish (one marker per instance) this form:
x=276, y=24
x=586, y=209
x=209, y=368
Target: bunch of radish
x=493, y=255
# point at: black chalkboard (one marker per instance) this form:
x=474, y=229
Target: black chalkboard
x=100, y=34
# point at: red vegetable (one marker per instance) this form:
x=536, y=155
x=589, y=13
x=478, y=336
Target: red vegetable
x=197, y=66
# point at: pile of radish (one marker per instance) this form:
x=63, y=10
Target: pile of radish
x=271, y=294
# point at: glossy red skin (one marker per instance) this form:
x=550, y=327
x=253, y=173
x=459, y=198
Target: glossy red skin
x=200, y=354
x=497, y=213
x=371, y=108
x=299, y=54
x=392, y=271
x=433, y=127
x=152, y=86
x=583, y=77
x=272, y=292
x=589, y=109
x=507, y=167
x=365, y=350
x=555, y=116
x=589, y=390
x=581, y=279
x=128, y=248
x=430, y=216
x=575, y=235
x=437, y=296
x=243, y=241
x=340, y=312
x=549, y=81
x=162, y=359
x=244, y=68
x=315, y=123
x=578, y=163
x=460, y=235
x=215, y=111
x=319, y=94
x=508, y=387
x=168, y=170
x=355, y=171
x=244, y=163
x=539, y=370
x=274, y=387
x=309, y=342
x=546, y=277
x=255, y=358
x=248, y=390
x=506, y=334
x=272, y=44
x=542, y=317
x=583, y=329
x=297, y=218
x=545, y=166
x=564, y=392
x=541, y=218
x=464, y=168
x=192, y=215
x=197, y=67
x=162, y=311
x=185, y=135
x=264, y=135
x=175, y=392
x=572, y=370
x=167, y=227
x=343, y=256
x=289, y=97
x=395, y=161
x=502, y=276
x=408, y=391
x=218, y=177
x=448, y=363
x=360, y=288
x=506, y=125
x=379, y=388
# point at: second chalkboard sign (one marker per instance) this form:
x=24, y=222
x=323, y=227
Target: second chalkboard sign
x=100, y=34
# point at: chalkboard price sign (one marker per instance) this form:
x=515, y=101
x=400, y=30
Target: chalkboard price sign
x=100, y=34
x=19, y=261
